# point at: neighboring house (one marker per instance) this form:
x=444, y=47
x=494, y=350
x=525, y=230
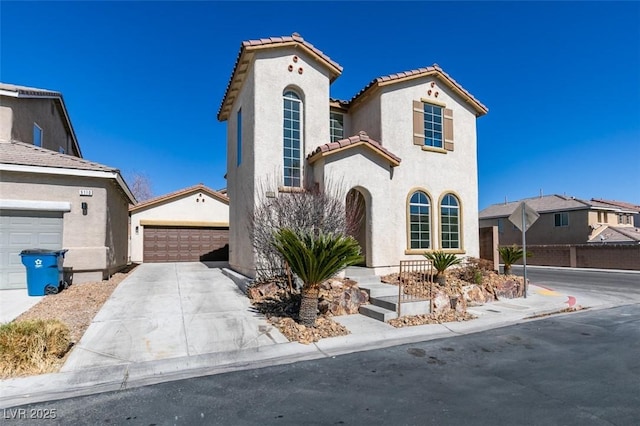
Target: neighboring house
x=189, y=225
x=52, y=200
x=623, y=205
x=404, y=148
x=564, y=220
x=36, y=117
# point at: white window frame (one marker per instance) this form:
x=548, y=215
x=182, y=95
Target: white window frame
x=458, y=233
x=334, y=130
x=288, y=153
x=419, y=240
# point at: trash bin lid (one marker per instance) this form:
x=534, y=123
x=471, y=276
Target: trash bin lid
x=39, y=251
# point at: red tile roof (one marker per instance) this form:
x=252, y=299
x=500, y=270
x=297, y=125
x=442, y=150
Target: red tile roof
x=272, y=42
x=360, y=139
x=420, y=72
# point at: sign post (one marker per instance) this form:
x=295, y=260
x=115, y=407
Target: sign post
x=523, y=217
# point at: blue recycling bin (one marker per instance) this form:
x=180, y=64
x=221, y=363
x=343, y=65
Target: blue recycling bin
x=44, y=271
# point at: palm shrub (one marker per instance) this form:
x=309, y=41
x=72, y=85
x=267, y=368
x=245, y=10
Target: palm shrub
x=510, y=255
x=441, y=261
x=314, y=258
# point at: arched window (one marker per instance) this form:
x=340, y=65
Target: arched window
x=450, y=222
x=419, y=221
x=292, y=127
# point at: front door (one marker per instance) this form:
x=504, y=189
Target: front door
x=356, y=211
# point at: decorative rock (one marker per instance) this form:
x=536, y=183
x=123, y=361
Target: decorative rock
x=441, y=302
x=348, y=302
x=474, y=295
x=260, y=291
x=510, y=289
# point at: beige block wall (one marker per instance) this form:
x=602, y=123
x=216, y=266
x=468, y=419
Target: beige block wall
x=48, y=115
x=189, y=208
x=96, y=241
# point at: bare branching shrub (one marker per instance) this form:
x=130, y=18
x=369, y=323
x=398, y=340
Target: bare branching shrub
x=311, y=209
x=473, y=269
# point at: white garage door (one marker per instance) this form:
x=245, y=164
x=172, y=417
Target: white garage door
x=20, y=230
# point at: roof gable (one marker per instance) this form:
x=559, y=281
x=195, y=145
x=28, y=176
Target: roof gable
x=167, y=198
x=247, y=53
x=432, y=71
x=25, y=92
x=361, y=139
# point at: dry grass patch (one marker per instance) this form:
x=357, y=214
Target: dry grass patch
x=32, y=347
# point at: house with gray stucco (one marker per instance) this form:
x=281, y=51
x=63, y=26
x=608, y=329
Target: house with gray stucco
x=51, y=197
x=404, y=148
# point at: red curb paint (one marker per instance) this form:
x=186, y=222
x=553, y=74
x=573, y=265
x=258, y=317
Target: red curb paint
x=571, y=301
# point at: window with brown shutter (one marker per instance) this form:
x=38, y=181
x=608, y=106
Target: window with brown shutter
x=432, y=125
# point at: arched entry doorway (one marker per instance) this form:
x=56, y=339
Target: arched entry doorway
x=356, y=211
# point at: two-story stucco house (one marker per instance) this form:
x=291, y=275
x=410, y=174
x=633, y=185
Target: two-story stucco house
x=405, y=146
x=566, y=220
x=51, y=197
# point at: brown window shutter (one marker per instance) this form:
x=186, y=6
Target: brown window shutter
x=448, y=129
x=418, y=123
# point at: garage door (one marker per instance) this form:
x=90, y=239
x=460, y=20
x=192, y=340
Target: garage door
x=175, y=244
x=20, y=230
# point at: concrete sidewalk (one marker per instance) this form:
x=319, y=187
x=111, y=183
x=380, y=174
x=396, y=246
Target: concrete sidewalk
x=175, y=321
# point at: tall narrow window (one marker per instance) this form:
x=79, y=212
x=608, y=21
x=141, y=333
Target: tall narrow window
x=239, y=137
x=450, y=222
x=336, y=126
x=433, y=125
x=292, y=139
x=419, y=221
x=37, y=135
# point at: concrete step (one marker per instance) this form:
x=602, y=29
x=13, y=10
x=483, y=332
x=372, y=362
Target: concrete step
x=378, y=313
x=379, y=289
x=355, y=272
x=417, y=307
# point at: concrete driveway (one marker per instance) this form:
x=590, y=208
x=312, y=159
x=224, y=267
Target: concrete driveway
x=168, y=310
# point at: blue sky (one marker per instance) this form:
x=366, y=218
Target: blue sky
x=143, y=81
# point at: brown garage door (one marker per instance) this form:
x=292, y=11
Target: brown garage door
x=175, y=244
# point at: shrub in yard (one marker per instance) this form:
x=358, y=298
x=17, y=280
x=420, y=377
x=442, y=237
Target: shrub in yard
x=315, y=258
x=510, y=255
x=441, y=262
x=32, y=347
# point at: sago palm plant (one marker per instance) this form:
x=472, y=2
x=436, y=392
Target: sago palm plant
x=441, y=262
x=315, y=258
x=510, y=255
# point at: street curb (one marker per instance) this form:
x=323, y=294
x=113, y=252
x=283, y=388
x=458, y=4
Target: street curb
x=63, y=385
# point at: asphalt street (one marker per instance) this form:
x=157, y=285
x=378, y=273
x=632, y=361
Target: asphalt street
x=619, y=287
x=573, y=369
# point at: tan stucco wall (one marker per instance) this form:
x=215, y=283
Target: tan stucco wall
x=240, y=179
x=387, y=116
x=187, y=209
x=262, y=116
x=47, y=114
x=544, y=231
x=97, y=242
x=6, y=121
